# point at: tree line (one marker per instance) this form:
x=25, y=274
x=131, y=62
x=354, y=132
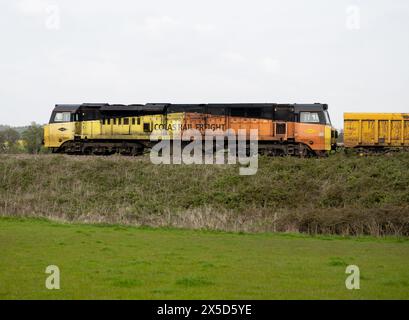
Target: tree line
x=30, y=140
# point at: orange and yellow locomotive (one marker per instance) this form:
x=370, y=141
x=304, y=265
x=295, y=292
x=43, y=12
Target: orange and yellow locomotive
x=283, y=129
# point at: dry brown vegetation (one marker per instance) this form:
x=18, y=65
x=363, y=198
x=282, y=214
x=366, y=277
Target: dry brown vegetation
x=337, y=195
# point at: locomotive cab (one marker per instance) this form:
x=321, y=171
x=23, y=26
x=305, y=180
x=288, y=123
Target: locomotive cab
x=70, y=122
x=314, y=128
x=62, y=126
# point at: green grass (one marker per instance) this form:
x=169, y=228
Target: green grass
x=104, y=262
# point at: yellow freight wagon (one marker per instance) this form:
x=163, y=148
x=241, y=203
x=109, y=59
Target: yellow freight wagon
x=378, y=131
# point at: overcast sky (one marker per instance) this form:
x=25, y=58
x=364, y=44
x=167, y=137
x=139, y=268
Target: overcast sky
x=353, y=55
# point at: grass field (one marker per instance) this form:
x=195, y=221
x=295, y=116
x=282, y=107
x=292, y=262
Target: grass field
x=141, y=263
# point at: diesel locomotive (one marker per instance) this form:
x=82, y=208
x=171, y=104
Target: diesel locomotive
x=104, y=129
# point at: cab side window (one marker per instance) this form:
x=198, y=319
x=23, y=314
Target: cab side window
x=309, y=117
x=62, y=117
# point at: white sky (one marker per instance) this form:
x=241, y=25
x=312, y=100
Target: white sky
x=351, y=54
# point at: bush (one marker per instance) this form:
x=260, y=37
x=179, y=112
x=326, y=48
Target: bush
x=33, y=138
x=9, y=140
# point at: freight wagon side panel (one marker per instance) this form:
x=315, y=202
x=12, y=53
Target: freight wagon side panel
x=351, y=133
x=376, y=130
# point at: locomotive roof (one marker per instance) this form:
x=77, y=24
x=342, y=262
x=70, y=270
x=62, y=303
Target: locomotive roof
x=67, y=107
x=119, y=107
x=158, y=107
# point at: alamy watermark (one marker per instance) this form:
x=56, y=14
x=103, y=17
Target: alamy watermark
x=53, y=280
x=53, y=19
x=353, y=18
x=352, y=282
x=212, y=147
